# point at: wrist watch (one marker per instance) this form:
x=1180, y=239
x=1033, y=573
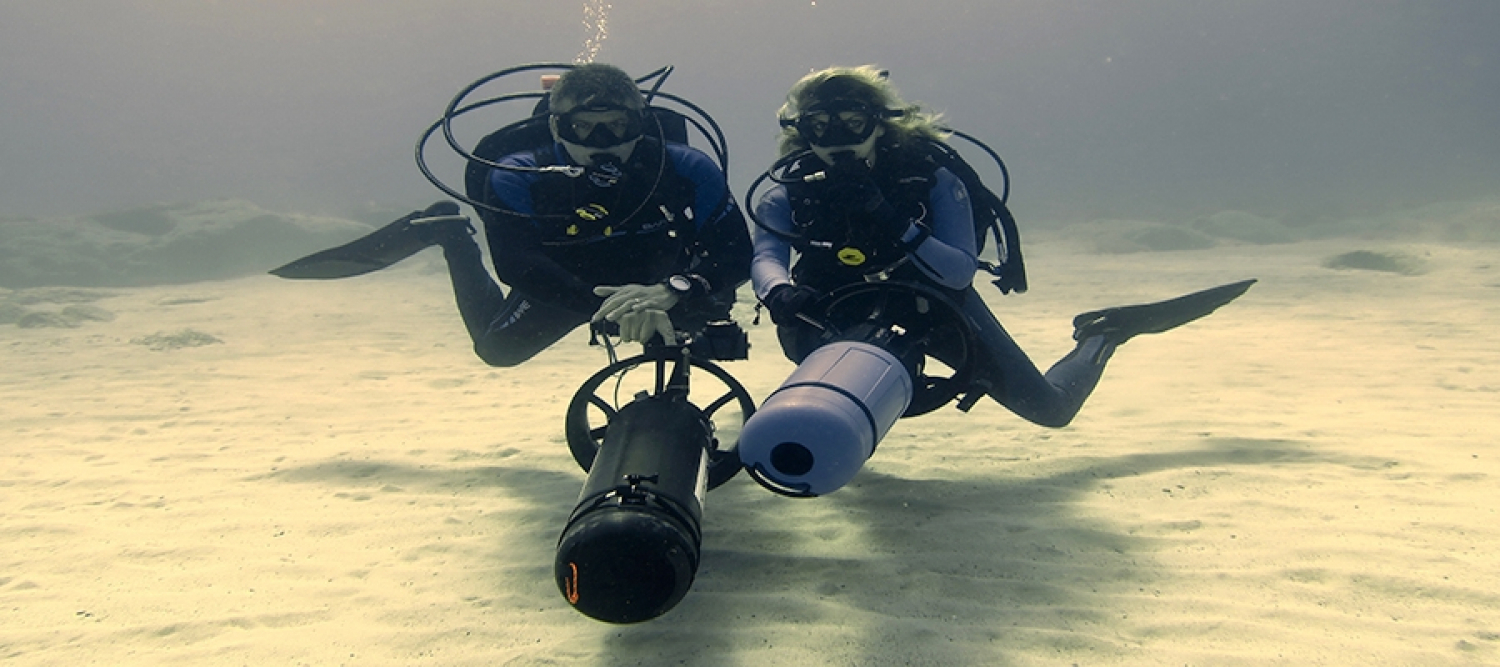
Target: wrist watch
x=680, y=285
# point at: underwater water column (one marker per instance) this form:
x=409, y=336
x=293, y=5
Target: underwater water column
x=596, y=27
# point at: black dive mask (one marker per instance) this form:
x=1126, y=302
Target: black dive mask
x=838, y=123
x=600, y=126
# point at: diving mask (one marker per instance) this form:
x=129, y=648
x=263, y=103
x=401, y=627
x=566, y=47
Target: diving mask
x=600, y=126
x=838, y=123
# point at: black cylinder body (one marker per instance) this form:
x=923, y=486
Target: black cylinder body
x=630, y=550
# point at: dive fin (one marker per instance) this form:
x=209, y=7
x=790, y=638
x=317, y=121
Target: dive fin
x=1124, y=322
x=376, y=250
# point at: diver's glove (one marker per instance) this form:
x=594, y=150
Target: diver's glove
x=786, y=300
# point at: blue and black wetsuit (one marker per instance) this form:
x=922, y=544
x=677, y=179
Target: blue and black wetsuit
x=943, y=257
x=667, y=211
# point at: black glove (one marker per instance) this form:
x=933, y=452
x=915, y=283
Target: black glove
x=786, y=300
x=851, y=190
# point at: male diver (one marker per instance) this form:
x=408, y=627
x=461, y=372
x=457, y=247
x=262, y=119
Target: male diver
x=643, y=234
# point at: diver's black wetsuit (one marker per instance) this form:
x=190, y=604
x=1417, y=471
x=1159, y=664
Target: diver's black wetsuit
x=638, y=223
x=944, y=259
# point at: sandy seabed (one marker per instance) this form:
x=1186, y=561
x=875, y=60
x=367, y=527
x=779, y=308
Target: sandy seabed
x=265, y=472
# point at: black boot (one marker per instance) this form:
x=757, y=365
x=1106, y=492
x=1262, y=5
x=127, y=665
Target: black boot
x=439, y=223
x=1120, y=324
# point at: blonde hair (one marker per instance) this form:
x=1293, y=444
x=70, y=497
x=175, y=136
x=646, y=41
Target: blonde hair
x=867, y=84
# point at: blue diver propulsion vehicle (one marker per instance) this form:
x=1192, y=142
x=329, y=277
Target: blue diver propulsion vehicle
x=631, y=546
x=879, y=351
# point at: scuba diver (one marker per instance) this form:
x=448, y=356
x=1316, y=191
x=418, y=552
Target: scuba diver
x=604, y=222
x=866, y=194
x=596, y=209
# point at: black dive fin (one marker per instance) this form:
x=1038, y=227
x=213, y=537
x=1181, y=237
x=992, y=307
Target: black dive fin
x=1122, y=323
x=374, y=251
